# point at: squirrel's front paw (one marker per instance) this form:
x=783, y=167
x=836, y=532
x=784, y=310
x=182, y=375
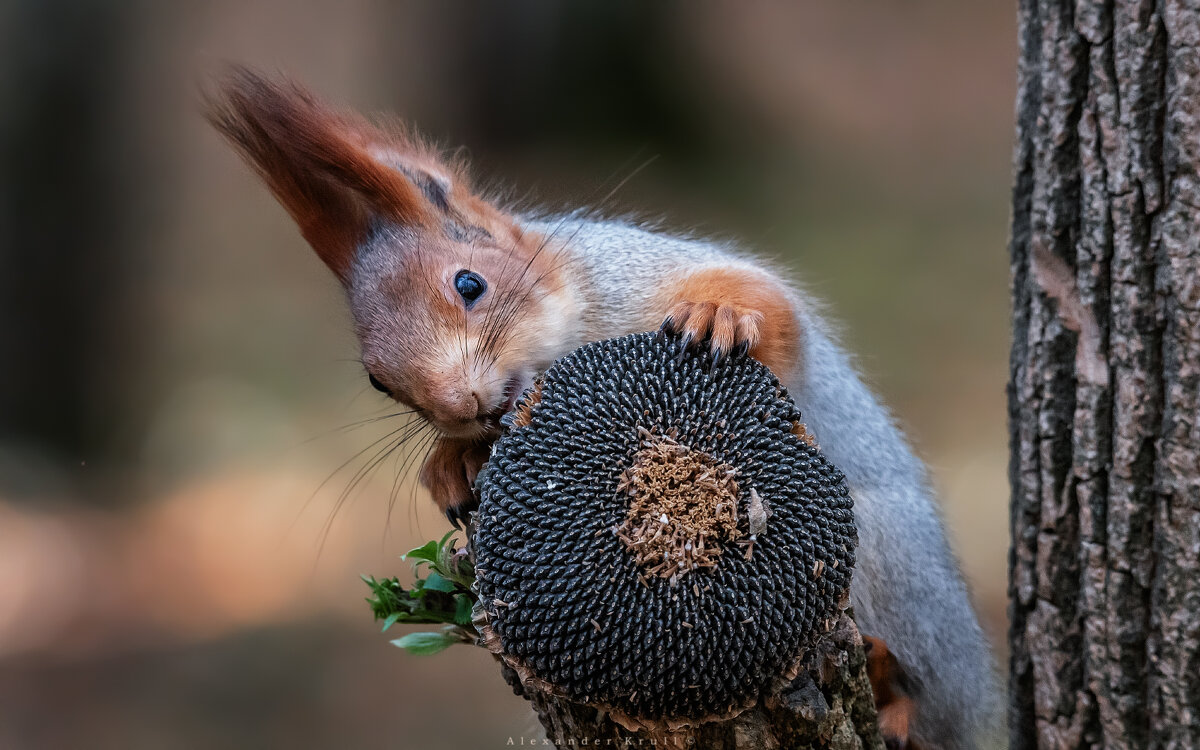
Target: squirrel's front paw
x=449, y=474
x=724, y=326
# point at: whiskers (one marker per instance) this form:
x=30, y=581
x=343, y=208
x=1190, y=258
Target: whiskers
x=405, y=444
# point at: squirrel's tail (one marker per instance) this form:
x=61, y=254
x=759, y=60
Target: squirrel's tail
x=906, y=588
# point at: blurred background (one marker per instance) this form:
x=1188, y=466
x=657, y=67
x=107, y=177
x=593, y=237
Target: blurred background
x=178, y=385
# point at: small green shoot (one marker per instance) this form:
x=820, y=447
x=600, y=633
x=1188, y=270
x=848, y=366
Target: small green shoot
x=442, y=595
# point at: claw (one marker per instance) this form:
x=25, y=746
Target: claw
x=719, y=355
x=741, y=349
x=667, y=329
x=457, y=516
x=683, y=350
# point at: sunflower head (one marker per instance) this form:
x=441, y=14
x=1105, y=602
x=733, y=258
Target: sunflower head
x=656, y=534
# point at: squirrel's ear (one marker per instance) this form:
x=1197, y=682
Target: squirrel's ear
x=321, y=165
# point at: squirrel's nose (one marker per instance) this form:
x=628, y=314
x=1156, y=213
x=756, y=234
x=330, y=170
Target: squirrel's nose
x=459, y=405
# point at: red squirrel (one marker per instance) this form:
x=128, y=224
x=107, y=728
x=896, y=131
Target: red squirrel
x=459, y=302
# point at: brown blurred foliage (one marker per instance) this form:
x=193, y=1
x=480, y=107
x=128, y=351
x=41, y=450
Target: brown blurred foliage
x=177, y=364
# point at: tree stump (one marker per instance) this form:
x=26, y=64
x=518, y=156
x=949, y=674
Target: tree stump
x=828, y=705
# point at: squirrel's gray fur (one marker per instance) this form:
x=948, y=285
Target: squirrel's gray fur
x=906, y=589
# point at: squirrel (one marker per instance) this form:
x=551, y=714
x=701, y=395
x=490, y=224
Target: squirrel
x=458, y=303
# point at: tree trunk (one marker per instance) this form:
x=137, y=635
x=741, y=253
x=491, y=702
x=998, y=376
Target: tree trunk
x=828, y=706
x=1104, y=399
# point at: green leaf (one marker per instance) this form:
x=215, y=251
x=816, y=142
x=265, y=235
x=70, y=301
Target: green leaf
x=462, y=612
x=427, y=551
x=441, y=592
x=438, y=582
x=425, y=643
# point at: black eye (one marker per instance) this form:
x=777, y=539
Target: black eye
x=377, y=385
x=470, y=286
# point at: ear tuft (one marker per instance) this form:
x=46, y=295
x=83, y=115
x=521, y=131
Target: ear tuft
x=317, y=162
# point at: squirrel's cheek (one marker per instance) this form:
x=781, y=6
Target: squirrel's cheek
x=559, y=327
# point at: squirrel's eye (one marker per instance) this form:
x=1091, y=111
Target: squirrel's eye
x=470, y=286
x=377, y=385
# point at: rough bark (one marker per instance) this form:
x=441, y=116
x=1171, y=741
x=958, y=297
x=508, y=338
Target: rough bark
x=1104, y=398
x=829, y=706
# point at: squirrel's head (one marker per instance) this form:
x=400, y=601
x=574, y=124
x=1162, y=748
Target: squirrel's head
x=455, y=306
